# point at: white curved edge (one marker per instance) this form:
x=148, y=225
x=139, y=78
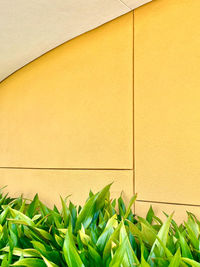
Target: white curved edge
x=29, y=29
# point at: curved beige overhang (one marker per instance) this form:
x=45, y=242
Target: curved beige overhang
x=28, y=29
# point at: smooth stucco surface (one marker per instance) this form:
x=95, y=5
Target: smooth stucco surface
x=180, y=211
x=71, y=108
x=51, y=184
x=167, y=117
x=28, y=29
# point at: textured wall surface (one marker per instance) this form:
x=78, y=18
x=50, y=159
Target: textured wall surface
x=167, y=103
x=69, y=114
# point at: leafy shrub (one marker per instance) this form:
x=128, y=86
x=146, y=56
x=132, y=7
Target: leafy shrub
x=101, y=233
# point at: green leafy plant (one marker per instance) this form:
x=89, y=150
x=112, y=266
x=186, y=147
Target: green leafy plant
x=104, y=232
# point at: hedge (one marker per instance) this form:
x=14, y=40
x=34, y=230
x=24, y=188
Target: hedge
x=104, y=232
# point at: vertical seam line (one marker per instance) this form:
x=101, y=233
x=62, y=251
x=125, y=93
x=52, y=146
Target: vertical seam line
x=133, y=67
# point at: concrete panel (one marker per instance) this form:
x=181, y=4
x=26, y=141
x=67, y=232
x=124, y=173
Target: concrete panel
x=50, y=184
x=167, y=109
x=180, y=214
x=73, y=107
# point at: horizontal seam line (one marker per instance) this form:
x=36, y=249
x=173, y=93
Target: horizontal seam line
x=62, y=169
x=168, y=203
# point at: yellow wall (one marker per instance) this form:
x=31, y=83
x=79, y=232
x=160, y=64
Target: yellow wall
x=71, y=110
x=167, y=103
x=66, y=119
x=51, y=184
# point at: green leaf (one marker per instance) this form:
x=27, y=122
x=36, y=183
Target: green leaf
x=162, y=236
x=175, y=261
x=85, y=239
x=4, y=262
x=33, y=206
x=22, y=218
x=191, y=235
x=109, y=229
x=186, y=252
x=119, y=255
x=25, y=252
x=30, y=263
x=41, y=233
x=129, y=206
x=135, y=231
x=59, y=240
x=94, y=255
x=143, y=261
x=95, y=203
x=114, y=239
x=150, y=215
x=3, y=215
x=49, y=263
x=70, y=252
x=66, y=212
x=191, y=262
x=121, y=206
x=148, y=232
x=129, y=257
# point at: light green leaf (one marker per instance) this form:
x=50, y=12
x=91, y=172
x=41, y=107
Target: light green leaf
x=119, y=255
x=191, y=234
x=109, y=229
x=191, y=262
x=129, y=257
x=30, y=263
x=93, y=204
x=84, y=238
x=25, y=252
x=147, y=231
x=15, y=213
x=162, y=236
x=70, y=252
x=66, y=212
x=186, y=252
x=129, y=206
x=175, y=261
x=49, y=263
